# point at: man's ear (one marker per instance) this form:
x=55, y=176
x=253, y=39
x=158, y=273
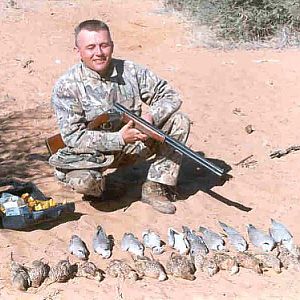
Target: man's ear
x=77, y=52
x=112, y=46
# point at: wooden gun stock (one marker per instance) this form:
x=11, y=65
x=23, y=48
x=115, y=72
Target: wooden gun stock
x=54, y=143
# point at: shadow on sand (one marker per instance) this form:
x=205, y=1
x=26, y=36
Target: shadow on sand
x=21, y=143
x=192, y=178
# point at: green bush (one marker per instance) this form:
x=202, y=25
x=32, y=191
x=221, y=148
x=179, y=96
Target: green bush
x=248, y=20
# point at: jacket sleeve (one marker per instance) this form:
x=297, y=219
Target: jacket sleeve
x=158, y=94
x=72, y=122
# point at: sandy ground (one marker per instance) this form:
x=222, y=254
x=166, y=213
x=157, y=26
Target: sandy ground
x=222, y=92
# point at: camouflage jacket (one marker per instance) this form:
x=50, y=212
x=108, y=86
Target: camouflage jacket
x=82, y=94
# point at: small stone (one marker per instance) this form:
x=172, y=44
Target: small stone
x=249, y=129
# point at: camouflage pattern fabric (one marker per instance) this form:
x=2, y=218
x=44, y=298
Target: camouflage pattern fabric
x=166, y=166
x=87, y=182
x=82, y=94
x=74, y=159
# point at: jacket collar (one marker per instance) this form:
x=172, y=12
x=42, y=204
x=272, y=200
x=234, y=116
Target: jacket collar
x=111, y=75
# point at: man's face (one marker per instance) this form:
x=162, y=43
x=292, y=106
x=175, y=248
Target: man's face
x=95, y=49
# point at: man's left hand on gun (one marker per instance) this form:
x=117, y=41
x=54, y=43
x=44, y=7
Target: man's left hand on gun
x=131, y=135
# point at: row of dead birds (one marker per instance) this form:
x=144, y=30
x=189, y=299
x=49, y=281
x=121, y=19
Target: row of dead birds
x=207, y=252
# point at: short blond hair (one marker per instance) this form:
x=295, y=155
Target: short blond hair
x=90, y=25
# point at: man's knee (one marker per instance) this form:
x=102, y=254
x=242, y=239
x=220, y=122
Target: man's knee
x=178, y=126
x=88, y=182
x=183, y=121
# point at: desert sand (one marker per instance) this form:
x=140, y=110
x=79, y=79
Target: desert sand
x=222, y=92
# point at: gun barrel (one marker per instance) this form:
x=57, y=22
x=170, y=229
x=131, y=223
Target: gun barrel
x=181, y=148
x=194, y=156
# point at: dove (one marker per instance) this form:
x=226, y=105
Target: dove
x=180, y=266
x=212, y=240
x=196, y=243
x=178, y=241
x=150, y=268
x=101, y=243
x=38, y=273
x=234, y=237
x=120, y=269
x=78, y=247
x=131, y=244
x=260, y=239
x=280, y=234
x=152, y=240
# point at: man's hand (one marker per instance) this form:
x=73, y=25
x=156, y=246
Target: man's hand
x=131, y=135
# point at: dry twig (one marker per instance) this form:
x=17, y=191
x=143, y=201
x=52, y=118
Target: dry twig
x=279, y=153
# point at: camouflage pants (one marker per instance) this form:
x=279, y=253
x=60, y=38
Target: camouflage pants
x=164, y=169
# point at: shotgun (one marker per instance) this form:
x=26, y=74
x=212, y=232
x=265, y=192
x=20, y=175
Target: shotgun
x=119, y=111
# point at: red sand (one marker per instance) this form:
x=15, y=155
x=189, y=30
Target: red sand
x=223, y=92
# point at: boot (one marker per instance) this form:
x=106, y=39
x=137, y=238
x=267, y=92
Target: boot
x=155, y=194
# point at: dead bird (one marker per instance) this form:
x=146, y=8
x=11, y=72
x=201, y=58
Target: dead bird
x=38, y=273
x=260, y=239
x=61, y=272
x=178, y=241
x=197, y=258
x=288, y=259
x=249, y=261
x=196, y=243
x=20, y=280
x=120, y=269
x=234, y=237
x=269, y=260
x=89, y=270
x=205, y=263
x=152, y=240
x=19, y=275
x=78, y=247
x=102, y=244
x=209, y=265
x=295, y=250
x=202, y=259
x=180, y=266
x=150, y=268
x=226, y=262
x=281, y=234
x=131, y=244
x=212, y=240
